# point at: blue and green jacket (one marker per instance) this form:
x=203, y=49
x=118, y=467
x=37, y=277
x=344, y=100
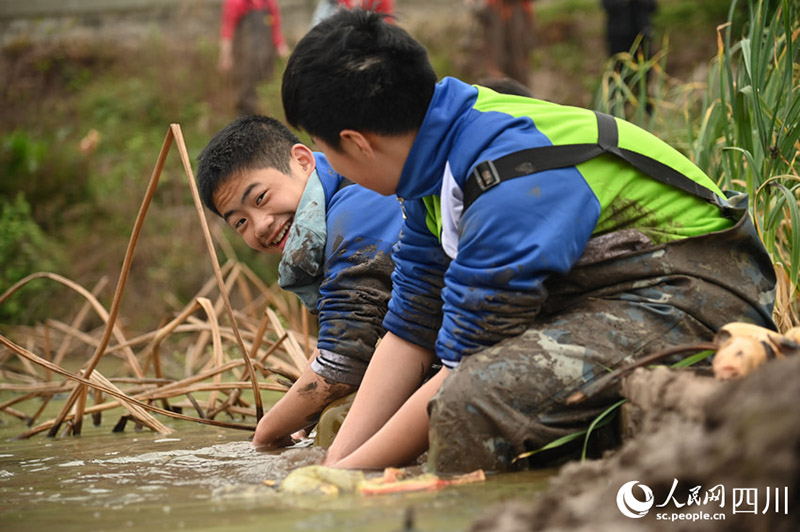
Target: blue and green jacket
x=460, y=273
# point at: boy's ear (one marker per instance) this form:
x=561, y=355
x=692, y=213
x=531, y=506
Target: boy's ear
x=356, y=140
x=304, y=157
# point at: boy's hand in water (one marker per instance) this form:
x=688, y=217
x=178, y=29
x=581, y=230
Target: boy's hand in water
x=270, y=445
x=298, y=409
x=396, y=371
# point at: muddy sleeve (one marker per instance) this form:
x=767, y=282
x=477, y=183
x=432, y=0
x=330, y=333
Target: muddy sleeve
x=415, y=310
x=362, y=227
x=510, y=240
x=353, y=303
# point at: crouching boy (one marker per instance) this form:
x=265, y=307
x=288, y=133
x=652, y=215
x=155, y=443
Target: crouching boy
x=543, y=244
x=335, y=240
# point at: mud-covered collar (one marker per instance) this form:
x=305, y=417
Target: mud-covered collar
x=300, y=268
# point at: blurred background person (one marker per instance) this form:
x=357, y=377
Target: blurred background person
x=625, y=21
x=250, y=39
x=628, y=24
x=507, y=37
x=326, y=8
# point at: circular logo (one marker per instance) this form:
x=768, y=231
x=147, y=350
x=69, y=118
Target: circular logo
x=629, y=505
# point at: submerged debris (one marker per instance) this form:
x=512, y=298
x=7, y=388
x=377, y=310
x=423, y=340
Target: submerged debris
x=321, y=480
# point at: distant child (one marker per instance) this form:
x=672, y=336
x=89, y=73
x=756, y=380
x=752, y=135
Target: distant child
x=326, y=8
x=507, y=28
x=250, y=38
x=542, y=245
x=627, y=20
x=335, y=242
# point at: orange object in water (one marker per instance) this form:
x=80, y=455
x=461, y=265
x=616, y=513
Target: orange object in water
x=392, y=481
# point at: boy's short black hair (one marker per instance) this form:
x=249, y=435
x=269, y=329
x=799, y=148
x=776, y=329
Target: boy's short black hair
x=247, y=143
x=354, y=70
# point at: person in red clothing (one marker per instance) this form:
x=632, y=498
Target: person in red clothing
x=250, y=37
x=326, y=8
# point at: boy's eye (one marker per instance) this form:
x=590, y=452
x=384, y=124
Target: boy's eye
x=260, y=198
x=238, y=223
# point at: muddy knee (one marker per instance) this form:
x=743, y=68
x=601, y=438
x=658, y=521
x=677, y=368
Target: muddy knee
x=469, y=428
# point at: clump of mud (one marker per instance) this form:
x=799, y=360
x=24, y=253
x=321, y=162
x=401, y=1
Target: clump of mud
x=685, y=431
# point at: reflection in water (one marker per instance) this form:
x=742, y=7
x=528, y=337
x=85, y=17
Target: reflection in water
x=204, y=478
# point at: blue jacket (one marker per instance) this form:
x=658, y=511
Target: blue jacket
x=465, y=280
x=362, y=226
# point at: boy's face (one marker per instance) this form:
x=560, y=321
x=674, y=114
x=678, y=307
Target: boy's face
x=373, y=161
x=260, y=204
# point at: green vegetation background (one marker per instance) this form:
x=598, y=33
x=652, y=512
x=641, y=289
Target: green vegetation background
x=83, y=122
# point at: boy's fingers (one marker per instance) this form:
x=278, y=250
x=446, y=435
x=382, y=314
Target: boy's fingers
x=301, y=434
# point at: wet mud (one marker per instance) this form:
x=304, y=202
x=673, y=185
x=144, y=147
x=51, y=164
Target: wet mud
x=689, y=439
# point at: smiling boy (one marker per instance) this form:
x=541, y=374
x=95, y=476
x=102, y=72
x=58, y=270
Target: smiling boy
x=542, y=244
x=335, y=241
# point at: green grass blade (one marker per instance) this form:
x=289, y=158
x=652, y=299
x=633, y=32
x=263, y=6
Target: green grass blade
x=794, y=232
x=563, y=440
x=596, y=424
x=692, y=360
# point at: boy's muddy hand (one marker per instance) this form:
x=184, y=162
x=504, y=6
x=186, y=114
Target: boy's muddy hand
x=272, y=444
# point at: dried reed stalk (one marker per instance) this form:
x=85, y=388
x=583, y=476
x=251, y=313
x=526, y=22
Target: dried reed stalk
x=292, y=347
x=166, y=330
x=97, y=378
x=233, y=398
x=110, y=390
x=170, y=390
x=115, y=303
x=216, y=342
x=142, y=416
x=16, y=413
x=79, y=319
x=286, y=357
x=175, y=130
x=92, y=300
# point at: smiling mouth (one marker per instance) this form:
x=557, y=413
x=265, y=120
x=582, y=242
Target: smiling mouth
x=281, y=234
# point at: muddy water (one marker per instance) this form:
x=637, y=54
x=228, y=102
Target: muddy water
x=205, y=478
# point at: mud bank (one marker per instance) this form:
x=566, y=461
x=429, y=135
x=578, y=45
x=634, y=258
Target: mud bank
x=712, y=455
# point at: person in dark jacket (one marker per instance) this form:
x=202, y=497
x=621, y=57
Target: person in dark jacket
x=627, y=20
x=629, y=23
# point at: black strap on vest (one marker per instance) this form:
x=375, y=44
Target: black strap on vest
x=525, y=162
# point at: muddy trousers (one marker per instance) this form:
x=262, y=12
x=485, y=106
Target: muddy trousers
x=510, y=398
